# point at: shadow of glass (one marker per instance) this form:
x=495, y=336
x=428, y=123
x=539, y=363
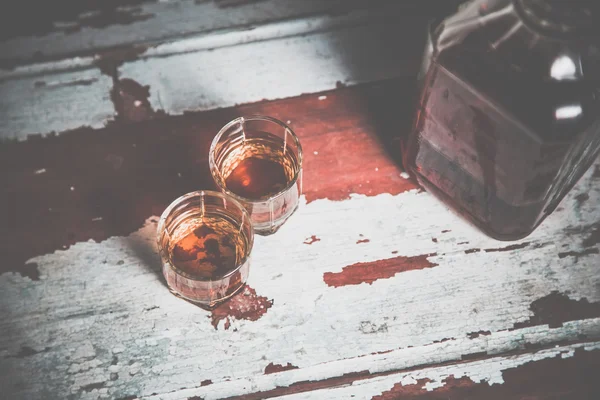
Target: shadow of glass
x=144, y=247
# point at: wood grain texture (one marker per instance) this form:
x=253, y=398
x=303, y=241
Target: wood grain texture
x=278, y=49
x=206, y=79
x=54, y=103
x=85, y=313
x=80, y=27
x=124, y=321
x=373, y=289
x=564, y=372
x=94, y=184
x=31, y=31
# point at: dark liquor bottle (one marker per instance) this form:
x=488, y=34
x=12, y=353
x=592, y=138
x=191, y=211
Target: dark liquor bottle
x=509, y=114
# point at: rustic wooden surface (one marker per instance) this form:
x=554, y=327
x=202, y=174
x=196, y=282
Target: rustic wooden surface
x=33, y=31
x=372, y=290
x=225, y=52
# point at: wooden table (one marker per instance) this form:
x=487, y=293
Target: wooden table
x=372, y=290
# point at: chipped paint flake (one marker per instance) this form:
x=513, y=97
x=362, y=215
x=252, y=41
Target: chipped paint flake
x=312, y=239
x=526, y=376
x=370, y=272
x=275, y=368
x=245, y=305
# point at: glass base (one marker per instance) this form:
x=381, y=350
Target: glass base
x=208, y=306
x=267, y=230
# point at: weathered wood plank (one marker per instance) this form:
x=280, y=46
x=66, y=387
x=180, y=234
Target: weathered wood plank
x=54, y=103
x=77, y=33
x=206, y=79
x=372, y=284
x=566, y=371
x=57, y=187
x=414, y=285
x=221, y=68
x=123, y=320
x=65, y=28
x=282, y=68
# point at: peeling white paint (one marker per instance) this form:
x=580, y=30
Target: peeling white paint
x=285, y=67
x=310, y=325
x=489, y=371
x=215, y=68
x=186, y=18
x=27, y=109
x=274, y=30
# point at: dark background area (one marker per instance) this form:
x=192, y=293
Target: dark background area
x=39, y=17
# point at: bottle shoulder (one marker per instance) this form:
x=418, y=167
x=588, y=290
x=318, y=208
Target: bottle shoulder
x=495, y=30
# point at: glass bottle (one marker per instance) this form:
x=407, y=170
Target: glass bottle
x=509, y=113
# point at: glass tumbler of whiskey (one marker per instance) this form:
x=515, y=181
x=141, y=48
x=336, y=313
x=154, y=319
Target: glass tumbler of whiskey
x=204, y=240
x=258, y=161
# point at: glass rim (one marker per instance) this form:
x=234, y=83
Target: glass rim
x=201, y=193
x=240, y=120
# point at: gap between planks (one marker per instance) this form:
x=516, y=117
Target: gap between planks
x=487, y=369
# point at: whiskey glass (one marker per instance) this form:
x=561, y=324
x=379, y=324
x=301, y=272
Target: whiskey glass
x=205, y=239
x=258, y=161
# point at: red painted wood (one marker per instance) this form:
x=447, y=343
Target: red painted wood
x=274, y=368
x=245, y=305
x=369, y=272
x=554, y=378
x=93, y=184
